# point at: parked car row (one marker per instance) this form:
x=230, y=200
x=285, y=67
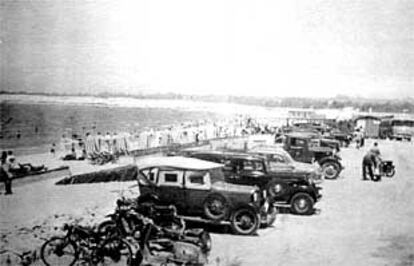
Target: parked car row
x=242, y=188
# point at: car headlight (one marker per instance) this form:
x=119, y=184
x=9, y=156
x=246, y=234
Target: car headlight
x=310, y=179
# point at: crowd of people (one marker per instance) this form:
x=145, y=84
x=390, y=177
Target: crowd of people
x=102, y=148
x=107, y=147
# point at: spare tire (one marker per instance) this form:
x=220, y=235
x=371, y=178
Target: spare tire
x=276, y=189
x=216, y=207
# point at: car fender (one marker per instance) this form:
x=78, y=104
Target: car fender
x=242, y=205
x=305, y=189
x=330, y=159
x=148, y=197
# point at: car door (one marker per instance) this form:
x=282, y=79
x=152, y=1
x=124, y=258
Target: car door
x=278, y=163
x=147, y=181
x=252, y=172
x=298, y=149
x=171, y=187
x=197, y=185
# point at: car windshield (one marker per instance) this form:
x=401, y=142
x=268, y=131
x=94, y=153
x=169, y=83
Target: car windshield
x=252, y=165
x=216, y=174
x=314, y=143
x=286, y=156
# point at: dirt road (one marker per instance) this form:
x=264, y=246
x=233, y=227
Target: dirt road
x=359, y=223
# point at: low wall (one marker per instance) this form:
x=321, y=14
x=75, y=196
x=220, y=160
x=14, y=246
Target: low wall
x=119, y=174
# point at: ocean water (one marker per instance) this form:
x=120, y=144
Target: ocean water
x=33, y=127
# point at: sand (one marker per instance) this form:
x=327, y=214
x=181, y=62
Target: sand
x=359, y=223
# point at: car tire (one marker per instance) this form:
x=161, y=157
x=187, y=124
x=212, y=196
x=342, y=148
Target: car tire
x=331, y=170
x=245, y=221
x=270, y=217
x=275, y=189
x=216, y=207
x=302, y=204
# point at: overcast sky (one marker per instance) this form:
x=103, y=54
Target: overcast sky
x=276, y=48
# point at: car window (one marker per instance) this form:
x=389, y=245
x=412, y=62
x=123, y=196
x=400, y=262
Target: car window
x=197, y=180
x=314, y=143
x=249, y=165
x=277, y=158
x=150, y=174
x=172, y=178
x=297, y=142
x=229, y=166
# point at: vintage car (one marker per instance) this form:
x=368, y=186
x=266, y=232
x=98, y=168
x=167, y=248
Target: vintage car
x=306, y=148
x=198, y=190
x=342, y=137
x=279, y=160
x=285, y=187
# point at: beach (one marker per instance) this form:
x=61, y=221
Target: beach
x=358, y=223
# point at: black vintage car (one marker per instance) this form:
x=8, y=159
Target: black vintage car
x=308, y=148
x=288, y=187
x=198, y=190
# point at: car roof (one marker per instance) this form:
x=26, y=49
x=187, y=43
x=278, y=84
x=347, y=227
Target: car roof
x=233, y=154
x=306, y=135
x=178, y=162
x=268, y=150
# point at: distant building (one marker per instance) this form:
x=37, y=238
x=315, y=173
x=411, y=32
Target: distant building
x=369, y=124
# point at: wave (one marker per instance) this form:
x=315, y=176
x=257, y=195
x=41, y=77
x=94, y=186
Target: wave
x=125, y=102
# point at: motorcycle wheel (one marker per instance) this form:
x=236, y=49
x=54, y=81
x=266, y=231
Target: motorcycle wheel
x=109, y=229
x=390, y=173
x=376, y=178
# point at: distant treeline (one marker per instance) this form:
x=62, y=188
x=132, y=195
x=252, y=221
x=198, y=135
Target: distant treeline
x=376, y=105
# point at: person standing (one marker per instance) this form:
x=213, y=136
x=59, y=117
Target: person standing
x=368, y=163
x=6, y=175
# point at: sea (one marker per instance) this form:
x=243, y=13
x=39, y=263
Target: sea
x=32, y=123
x=30, y=126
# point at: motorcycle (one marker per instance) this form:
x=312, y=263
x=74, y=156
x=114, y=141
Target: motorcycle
x=129, y=220
x=385, y=168
x=160, y=247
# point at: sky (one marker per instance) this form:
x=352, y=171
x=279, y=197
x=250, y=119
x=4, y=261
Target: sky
x=303, y=48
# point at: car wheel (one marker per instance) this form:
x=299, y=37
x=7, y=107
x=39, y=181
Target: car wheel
x=270, y=217
x=275, y=189
x=216, y=207
x=330, y=170
x=302, y=204
x=245, y=221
